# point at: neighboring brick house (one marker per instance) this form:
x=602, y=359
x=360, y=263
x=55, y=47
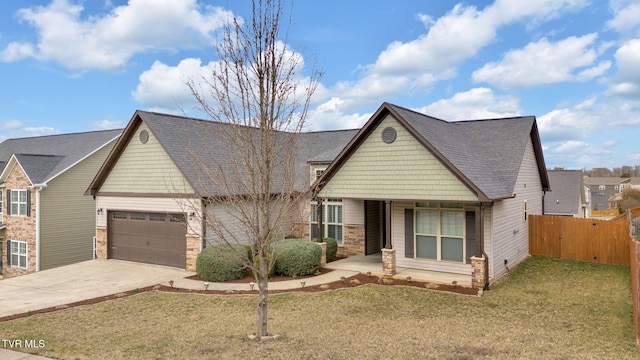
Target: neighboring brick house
x=45, y=219
x=567, y=196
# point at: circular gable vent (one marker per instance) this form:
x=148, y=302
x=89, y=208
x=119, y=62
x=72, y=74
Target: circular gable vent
x=144, y=136
x=389, y=135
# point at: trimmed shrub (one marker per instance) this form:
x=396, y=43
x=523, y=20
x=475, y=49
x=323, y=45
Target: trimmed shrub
x=297, y=257
x=222, y=263
x=332, y=249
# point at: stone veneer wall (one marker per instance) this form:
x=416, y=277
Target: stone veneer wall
x=193, y=249
x=101, y=243
x=353, y=240
x=20, y=228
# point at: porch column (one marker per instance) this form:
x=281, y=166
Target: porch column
x=320, y=224
x=387, y=225
x=388, y=254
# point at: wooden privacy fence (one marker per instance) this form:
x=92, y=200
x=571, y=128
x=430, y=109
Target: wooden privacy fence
x=601, y=241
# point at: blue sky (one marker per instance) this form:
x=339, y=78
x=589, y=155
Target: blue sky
x=71, y=66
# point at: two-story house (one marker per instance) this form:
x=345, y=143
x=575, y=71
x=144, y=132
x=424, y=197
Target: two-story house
x=45, y=219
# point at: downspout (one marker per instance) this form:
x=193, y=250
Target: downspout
x=38, y=188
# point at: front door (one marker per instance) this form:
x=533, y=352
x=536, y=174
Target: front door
x=374, y=226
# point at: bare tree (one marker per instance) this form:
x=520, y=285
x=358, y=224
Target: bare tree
x=255, y=186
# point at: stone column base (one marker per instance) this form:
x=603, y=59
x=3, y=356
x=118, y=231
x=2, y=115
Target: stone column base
x=478, y=275
x=193, y=249
x=389, y=262
x=323, y=260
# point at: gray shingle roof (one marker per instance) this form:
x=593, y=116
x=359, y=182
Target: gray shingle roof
x=44, y=157
x=486, y=152
x=198, y=148
x=565, y=197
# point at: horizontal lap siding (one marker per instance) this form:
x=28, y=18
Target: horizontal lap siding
x=68, y=216
x=353, y=212
x=510, y=230
x=404, y=169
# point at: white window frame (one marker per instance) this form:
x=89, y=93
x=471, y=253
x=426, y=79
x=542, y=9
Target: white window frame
x=602, y=187
x=439, y=208
x=1, y=204
x=313, y=221
x=21, y=205
x=17, y=249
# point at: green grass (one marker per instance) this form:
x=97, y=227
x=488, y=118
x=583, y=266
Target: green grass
x=548, y=308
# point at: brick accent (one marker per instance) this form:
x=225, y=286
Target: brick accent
x=389, y=262
x=353, y=240
x=19, y=228
x=478, y=272
x=193, y=249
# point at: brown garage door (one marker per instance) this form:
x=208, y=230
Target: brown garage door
x=147, y=237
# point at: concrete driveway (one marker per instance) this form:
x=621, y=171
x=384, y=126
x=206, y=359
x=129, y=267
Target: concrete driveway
x=77, y=282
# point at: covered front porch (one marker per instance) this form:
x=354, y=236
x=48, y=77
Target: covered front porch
x=373, y=264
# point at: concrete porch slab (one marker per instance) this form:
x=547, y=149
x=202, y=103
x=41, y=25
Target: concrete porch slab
x=373, y=263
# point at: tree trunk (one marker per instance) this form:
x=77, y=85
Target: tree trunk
x=263, y=282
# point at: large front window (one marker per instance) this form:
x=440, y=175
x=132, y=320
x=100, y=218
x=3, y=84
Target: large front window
x=18, y=254
x=439, y=232
x=331, y=220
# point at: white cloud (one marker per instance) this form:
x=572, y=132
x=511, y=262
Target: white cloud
x=164, y=86
x=107, y=124
x=10, y=124
x=477, y=103
x=329, y=116
x=413, y=67
x=16, y=51
x=627, y=80
x=571, y=146
x=550, y=62
x=108, y=41
x=626, y=15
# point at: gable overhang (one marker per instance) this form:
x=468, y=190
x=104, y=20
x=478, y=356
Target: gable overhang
x=537, y=148
x=118, y=149
x=383, y=111
x=13, y=161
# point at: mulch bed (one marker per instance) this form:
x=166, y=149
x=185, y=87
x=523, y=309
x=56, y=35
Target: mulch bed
x=351, y=282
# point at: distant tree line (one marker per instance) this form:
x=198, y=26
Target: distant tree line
x=625, y=171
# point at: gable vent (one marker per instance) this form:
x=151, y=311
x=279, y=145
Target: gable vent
x=389, y=135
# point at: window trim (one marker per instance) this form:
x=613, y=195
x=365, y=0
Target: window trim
x=325, y=223
x=18, y=203
x=438, y=208
x=16, y=264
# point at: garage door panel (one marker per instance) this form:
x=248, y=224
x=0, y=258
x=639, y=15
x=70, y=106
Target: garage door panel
x=154, y=238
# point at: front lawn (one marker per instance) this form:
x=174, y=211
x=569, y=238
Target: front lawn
x=548, y=308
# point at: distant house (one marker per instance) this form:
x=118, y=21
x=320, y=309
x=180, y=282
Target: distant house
x=45, y=219
x=448, y=197
x=604, y=190
x=567, y=195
